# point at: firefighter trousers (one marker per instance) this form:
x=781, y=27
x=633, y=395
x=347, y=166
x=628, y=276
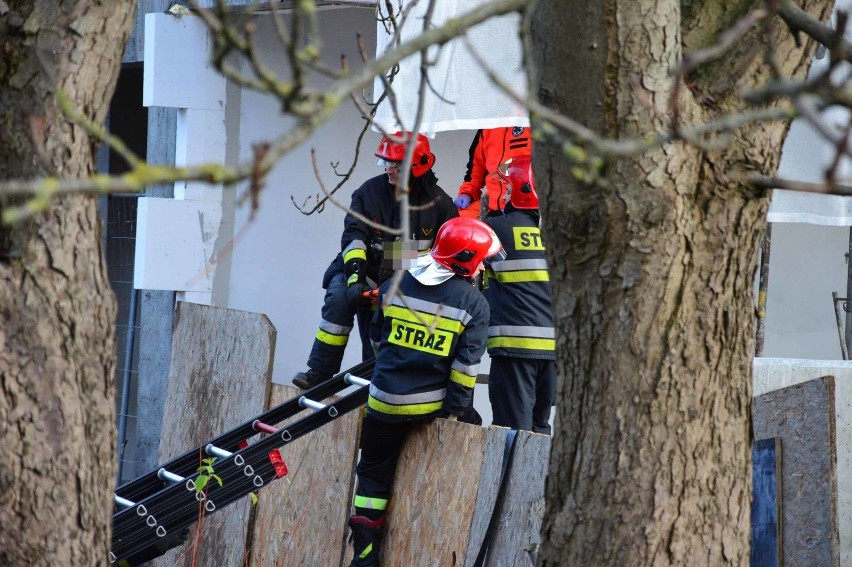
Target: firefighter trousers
x=336, y=324
x=522, y=391
x=381, y=443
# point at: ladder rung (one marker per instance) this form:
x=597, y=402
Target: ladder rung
x=123, y=502
x=355, y=380
x=163, y=474
x=216, y=451
x=307, y=403
x=258, y=425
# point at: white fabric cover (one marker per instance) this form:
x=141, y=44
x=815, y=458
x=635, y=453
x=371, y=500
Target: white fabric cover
x=469, y=100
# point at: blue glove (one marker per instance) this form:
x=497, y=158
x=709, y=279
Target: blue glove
x=462, y=202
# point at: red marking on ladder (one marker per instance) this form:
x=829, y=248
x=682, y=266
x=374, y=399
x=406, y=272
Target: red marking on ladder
x=277, y=463
x=242, y=444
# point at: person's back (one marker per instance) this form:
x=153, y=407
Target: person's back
x=489, y=150
x=521, y=338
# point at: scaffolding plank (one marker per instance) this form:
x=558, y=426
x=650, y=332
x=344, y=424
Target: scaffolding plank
x=803, y=417
x=219, y=377
x=301, y=518
x=517, y=535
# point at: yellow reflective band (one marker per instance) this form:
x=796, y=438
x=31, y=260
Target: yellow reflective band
x=527, y=238
x=412, y=409
x=366, y=551
x=421, y=318
x=354, y=253
x=522, y=276
x=352, y=279
x=522, y=342
x=462, y=378
x=418, y=337
x=370, y=503
x=333, y=340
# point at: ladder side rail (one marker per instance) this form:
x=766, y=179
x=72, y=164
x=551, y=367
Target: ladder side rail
x=132, y=534
x=186, y=464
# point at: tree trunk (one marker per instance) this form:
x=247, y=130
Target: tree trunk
x=652, y=263
x=57, y=356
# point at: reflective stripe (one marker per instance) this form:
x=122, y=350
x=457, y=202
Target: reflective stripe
x=334, y=328
x=516, y=265
x=445, y=311
x=515, y=271
x=420, y=409
x=517, y=342
x=403, y=399
x=521, y=331
x=354, y=245
x=470, y=370
x=366, y=551
x=424, y=319
x=370, y=503
x=352, y=279
x=522, y=276
x=330, y=339
x=463, y=379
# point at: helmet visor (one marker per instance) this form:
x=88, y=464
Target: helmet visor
x=498, y=256
x=388, y=163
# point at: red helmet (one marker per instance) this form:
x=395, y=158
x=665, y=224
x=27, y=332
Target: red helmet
x=520, y=176
x=462, y=244
x=422, y=160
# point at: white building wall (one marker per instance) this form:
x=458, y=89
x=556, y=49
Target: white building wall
x=278, y=259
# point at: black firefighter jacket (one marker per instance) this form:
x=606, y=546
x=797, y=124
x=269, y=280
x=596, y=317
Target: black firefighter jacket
x=376, y=201
x=518, y=290
x=429, y=344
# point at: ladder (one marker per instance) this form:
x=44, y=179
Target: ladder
x=154, y=508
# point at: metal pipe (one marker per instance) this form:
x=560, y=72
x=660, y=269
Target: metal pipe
x=130, y=339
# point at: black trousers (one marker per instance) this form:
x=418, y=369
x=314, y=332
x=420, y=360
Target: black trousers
x=327, y=353
x=522, y=391
x=381, y=443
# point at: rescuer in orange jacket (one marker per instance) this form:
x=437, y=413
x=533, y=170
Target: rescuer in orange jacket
x=489, y=149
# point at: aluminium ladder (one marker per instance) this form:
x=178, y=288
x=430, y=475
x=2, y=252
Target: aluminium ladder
x=154, y=508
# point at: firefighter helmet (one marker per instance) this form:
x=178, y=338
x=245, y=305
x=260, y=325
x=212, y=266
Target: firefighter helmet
x=462, y=244
x=421, y=161
x=519, y=175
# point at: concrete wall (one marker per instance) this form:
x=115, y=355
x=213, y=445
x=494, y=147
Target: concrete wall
x=775, y=373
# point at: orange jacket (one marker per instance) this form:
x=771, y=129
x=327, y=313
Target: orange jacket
x=489, y=149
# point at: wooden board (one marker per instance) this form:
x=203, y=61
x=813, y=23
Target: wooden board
x=436, y=493
x=301, y=518
x=516, y=538
x=219, y=377
x=766, y=546
x=803, y=417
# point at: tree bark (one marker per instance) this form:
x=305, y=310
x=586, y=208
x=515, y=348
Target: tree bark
x=652, y=264
x=57, y=356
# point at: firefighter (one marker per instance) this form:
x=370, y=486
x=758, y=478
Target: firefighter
x=522, y=380
x=361, y=264
x=490, y=149
x=429, y=339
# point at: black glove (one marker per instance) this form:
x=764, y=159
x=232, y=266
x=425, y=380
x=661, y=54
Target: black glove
x=355, y=296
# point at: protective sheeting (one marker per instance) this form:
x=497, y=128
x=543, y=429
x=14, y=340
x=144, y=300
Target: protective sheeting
x=460, y=96
x=808, y=208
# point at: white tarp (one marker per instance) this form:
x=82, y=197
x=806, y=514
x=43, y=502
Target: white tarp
x=466, y=98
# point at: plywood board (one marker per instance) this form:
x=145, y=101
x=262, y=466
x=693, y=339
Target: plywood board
x=301, y=518
x=516, y=536
x=219, y=377
x=803, y=417
x=436, y=493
